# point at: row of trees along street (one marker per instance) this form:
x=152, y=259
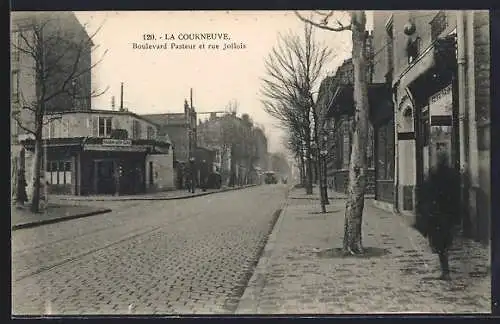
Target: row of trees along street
x=57, y=61
x=233, y=137
x=293, y=71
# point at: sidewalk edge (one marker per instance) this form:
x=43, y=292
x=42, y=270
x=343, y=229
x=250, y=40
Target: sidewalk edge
x=61, y=219
x=248, y=303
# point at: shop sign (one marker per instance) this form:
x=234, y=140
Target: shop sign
x=441, y=103
x=97, y=147
x=116, y=142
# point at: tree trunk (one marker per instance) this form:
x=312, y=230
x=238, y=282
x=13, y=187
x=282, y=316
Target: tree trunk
x=355, y=201
x=325, y=182
x=302, y=171
x=309, y=170
x=321, y=188
x=35, y=200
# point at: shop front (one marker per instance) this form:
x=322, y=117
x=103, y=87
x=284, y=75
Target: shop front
x=100, y=166
x=427, y=123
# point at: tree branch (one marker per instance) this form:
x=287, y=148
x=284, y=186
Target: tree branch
x=340, y=28
x=20, y=124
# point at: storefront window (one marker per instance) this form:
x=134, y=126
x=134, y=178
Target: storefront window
x=58, y=172
x=385, y=151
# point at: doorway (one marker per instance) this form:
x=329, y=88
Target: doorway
x=105, y=177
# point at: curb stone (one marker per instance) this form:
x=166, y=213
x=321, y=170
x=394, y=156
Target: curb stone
x=162, y=198
x=60, y=219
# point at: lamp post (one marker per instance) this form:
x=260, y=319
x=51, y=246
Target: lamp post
x=192, y=174
x=323, y=163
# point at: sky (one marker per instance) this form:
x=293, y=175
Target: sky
x=159, y=80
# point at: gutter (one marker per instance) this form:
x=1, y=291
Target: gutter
x=462, y=110
x=471, y=80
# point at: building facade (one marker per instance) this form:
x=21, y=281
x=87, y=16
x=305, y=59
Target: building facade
x=438, y=65
x=335, y=106
x=181, y=129
x=65, y=47
x=102, y=152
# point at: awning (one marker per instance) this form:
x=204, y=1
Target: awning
x=343, y=103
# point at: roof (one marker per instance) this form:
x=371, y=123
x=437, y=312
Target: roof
x=167, y=119
x=103, y=111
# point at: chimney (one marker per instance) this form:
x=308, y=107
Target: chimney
x=121, y=97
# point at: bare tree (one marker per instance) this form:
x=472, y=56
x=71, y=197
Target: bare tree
x=358, y=164
x=294, y=145
x=293, y=69
x=57, y=63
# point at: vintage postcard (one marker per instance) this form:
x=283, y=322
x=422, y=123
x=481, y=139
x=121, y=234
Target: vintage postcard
x=250, y=162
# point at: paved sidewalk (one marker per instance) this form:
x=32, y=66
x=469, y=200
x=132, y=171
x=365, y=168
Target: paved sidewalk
x=23, y=218
x=298, y=272
x=165, y=195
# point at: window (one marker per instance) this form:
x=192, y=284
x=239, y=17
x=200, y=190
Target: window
x=58, y=172
x=151, y=132
x=438, y=25
x=52, y=129
x=385, y=151
x=413, y=49
x=104, y=129
x=136, y=129
x=15, y=86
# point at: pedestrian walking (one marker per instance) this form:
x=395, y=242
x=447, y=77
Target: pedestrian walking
x=440, y=209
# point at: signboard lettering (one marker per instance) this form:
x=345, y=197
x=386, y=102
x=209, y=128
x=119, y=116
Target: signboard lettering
x=441, y=103
x=116, y=142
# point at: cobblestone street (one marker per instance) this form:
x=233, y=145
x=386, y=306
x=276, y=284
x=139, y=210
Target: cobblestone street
x=300, y=273
x=150, y=257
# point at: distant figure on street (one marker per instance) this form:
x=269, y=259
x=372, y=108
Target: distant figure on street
x=191, y=174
